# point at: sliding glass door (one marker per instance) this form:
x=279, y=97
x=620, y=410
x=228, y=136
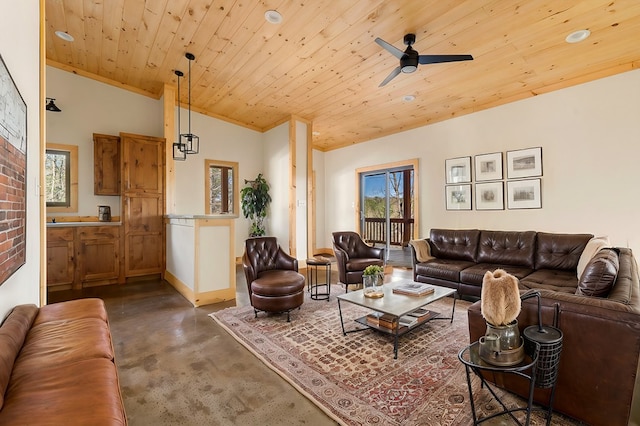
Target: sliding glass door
x=386, y=208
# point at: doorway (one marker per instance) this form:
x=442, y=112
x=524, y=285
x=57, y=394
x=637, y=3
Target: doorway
x=387, y=209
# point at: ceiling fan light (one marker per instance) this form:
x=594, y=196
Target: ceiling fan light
x=408, y=69
x=577, y=36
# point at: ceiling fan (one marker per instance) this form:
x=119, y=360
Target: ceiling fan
x=409, y=59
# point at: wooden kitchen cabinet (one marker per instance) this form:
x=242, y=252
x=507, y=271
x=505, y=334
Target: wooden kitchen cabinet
x=60, y=258
x=142, y=210
x=83, y=256
x=98, y=254
x=106, y=164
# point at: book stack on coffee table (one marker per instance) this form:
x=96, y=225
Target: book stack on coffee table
x=379, y=319
x=414, y=289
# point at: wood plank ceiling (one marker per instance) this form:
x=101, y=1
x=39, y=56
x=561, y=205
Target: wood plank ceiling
x=321, y=63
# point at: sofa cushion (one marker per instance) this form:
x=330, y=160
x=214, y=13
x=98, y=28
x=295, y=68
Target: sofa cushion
x=86, y=392
x=63, y=342
x=456, y=244
x=12, y=334
x=550, y=279
x=560, y=251
x=507, y=248
x=474, y=274
x=593, y=246
x=72, y=310
x=443, y=269
x=599, y=274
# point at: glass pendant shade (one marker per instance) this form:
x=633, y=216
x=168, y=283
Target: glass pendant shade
x=179, y=153
x=190, y=142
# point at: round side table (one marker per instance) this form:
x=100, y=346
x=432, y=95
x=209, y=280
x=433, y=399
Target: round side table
x=470, y=357
x=312, y=277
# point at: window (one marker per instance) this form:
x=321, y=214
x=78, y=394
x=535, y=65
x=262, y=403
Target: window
x=61, y=178
x=220, y=187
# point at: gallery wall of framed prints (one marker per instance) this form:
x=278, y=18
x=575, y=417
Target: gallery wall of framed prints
x=523, y=184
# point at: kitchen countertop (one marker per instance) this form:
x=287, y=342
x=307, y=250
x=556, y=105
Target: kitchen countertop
x=66, y=224
x=201, y=216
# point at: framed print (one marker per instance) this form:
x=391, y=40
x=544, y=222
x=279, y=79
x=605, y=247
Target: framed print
x=13, y=173
x=490, y=196
x=524, y=163
x=488, y=167
x=458, y=197
x=458, y=170
x=524, y=194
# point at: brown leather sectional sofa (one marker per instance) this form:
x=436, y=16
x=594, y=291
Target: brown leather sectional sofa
x=57, y=366
x=601, y=335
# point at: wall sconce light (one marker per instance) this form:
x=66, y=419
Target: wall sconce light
x=51, y=106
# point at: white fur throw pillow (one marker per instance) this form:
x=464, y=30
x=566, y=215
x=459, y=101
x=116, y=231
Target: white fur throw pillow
x=500, y=303
x=593, y=246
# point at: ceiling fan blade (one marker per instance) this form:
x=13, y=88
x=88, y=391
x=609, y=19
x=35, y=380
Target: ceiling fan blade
x=436, y=59
x=391, y=76
x=392, y=49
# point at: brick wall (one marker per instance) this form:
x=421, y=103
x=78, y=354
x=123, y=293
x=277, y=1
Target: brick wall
x=12, y=208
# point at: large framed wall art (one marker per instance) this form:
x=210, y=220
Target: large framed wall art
x=13, y=172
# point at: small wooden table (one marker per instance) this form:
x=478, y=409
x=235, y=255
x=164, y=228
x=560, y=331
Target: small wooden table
x=312, y=277
x=396, y=305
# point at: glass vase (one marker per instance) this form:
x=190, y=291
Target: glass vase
x=372, y=285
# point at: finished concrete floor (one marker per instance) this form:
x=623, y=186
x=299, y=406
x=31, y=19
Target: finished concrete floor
x=178, y=367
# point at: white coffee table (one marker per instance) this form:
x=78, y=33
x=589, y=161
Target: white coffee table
x=396, y=305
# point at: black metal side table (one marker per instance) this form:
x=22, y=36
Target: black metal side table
x=312, y=277
x=470, y=357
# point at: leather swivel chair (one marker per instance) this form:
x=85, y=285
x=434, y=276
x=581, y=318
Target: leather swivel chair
x=353, y=255
x=273, y=280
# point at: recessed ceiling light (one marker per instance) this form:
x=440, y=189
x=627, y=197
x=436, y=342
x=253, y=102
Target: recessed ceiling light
x=408, y=98
x=65, y=36
x=273, y=16
x=315, y=133
x=577, y=36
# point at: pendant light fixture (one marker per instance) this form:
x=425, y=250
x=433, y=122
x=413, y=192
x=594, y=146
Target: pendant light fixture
x=190, y=141
x=179, y=153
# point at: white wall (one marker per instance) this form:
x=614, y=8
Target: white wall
x=276, y=172
x=321, y=239
x=301, y=190
x=589, y=137
x=19, y=47
x=221, y=141
x=89, y=107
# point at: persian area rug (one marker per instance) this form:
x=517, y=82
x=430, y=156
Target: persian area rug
x=355, y=379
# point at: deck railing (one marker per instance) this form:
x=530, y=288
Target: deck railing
x=375, y=231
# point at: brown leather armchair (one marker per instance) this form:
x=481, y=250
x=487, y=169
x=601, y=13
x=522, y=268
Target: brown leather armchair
x=353, y=255
x=273, y=280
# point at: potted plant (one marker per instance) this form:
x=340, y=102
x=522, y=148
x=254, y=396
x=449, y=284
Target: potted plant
x=372, y=280
x=255, y=200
